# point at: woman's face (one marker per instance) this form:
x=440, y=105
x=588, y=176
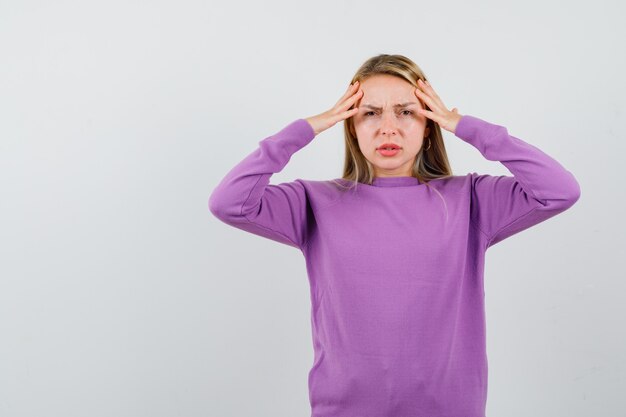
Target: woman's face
x=388, y=114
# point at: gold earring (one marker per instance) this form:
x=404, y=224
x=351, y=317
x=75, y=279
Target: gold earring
x=428, y=145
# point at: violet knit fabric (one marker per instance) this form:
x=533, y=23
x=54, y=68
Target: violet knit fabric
x=396, y=267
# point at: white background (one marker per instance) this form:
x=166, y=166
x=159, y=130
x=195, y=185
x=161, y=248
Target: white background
x=121, y=295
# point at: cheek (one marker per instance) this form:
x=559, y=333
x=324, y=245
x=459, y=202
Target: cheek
x=367, y=147
x=415, y=147
x=415, y=123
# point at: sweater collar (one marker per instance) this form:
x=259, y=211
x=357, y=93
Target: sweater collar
x=395, y=181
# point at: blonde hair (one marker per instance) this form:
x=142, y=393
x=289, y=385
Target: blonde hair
x=429, y=164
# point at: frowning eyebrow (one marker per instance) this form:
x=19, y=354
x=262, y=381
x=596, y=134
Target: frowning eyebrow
x=397, y=106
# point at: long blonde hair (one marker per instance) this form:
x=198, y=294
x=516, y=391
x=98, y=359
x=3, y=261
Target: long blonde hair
x=429, y=164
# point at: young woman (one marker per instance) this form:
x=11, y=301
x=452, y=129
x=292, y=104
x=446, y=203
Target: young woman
x=395, y=248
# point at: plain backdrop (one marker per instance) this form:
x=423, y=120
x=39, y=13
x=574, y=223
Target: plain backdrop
x=121, y=295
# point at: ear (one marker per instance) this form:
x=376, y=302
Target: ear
x=427, y=132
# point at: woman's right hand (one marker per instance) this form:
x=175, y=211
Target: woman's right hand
x=340, y=111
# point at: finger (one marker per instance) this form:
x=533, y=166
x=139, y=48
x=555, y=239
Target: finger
x=428, y=100
x=349, y=101
x=349, y=91
x=431, y=91
x=433, y=100
x=431, y=115
x=351, y=112
x=344, y=115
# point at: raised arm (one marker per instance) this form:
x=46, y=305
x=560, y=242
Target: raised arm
x=540, y=187
x=245, y=199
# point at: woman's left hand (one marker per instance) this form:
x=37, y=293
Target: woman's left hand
x=439, y=113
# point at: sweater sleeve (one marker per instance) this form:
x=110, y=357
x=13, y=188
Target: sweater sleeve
x=502, y=206
x=245, y=199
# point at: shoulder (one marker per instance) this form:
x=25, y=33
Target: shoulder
x=321, y=193
x=452, y=182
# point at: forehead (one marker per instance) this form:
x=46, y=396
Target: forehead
x=387, y=90
x=383, y=86
x=384, y=82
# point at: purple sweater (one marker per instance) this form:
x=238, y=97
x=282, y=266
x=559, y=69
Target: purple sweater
x=396, y=268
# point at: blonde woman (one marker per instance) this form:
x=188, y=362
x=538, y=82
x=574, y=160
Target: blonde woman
x=395, y=249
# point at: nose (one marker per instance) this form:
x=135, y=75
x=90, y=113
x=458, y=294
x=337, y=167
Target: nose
x=388, y=125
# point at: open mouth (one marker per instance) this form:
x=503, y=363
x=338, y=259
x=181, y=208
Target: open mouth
x=388, y=149
x=388, y=146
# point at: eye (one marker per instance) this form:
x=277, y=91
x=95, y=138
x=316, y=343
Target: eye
x=367, y=113
x=410, y=112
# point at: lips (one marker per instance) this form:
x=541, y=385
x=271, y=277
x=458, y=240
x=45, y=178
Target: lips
x=388, y=145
